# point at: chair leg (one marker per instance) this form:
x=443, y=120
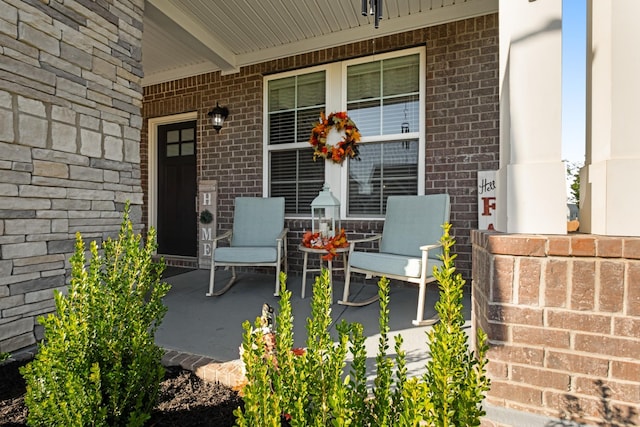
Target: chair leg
x=226, y=287
x=420, y=321
x=279, y=263
x=212, y=275
x=347, y=282
x=345, y=294
x=422, y=292
x=277, y=293
x=286, y=265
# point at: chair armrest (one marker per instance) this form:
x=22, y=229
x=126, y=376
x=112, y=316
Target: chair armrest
x=426, y=248
x=367, y=239
x=352, y=243
x=214, y=242
x=283, y=234
x=225, y=235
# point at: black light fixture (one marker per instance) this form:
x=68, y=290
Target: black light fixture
x=373, y=7
x=218, y=116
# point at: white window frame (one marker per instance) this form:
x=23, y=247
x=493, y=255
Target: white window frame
x=336, y=100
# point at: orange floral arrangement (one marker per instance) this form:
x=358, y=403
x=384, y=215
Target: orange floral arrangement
x=298, y=351
x=329, y=244
x=347, y=147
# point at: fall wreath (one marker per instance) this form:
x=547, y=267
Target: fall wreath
x=329, y=244
x=347, y=147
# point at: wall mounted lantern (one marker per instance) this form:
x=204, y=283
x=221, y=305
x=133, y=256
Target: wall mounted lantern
x=218, y=116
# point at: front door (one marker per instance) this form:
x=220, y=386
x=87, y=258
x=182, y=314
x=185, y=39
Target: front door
x=177, y=223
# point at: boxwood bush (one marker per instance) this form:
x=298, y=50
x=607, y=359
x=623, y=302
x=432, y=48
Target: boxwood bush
x=314, y=387
x=98, y=364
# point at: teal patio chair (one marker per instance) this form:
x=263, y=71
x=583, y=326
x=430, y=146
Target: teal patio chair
x=408, y=248
x=258, y=238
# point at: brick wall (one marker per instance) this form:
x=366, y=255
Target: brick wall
x=70, y=98
x=563, y=318
x=462, y=121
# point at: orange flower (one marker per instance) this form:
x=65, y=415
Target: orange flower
x=329, y=244
x=337, y=155
x=308, y=238
x=340, y=241
x=298, y=351
x=328, y=257
x=346, y=147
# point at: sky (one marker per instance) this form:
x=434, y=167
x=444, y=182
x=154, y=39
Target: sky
x=574, y=31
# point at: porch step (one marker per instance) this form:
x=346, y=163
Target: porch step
x=227, y=373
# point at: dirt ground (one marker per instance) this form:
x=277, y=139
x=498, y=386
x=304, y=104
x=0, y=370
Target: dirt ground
x=185, y=400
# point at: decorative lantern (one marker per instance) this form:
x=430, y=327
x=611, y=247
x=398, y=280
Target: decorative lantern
x=325, y=213
x=218, y=116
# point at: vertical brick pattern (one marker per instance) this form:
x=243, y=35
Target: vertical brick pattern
x=571, y=340
x=462, y=113
x=70, y=101
x=462, y=118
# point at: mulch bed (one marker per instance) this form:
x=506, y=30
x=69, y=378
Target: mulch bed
x=185, y=400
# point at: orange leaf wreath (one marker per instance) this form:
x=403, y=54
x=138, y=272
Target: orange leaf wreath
x=347, y=147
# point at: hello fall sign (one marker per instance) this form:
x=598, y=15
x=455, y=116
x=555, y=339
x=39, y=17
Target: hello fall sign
x=486, y=200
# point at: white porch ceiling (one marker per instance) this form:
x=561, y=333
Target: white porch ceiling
x=183, y=38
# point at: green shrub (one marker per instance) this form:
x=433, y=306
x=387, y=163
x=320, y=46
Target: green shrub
x=455, y=377
x=98, y=364
x=314, y=389
x=305, y=389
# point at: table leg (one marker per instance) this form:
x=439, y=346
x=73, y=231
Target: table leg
x=304, y=273
x=330, y=265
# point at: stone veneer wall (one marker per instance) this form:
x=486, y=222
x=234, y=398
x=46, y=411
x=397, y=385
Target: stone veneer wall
x=562, y=314
x=70, y=98
x=462, y=122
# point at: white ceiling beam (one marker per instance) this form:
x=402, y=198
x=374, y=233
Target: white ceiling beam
x=217, y=52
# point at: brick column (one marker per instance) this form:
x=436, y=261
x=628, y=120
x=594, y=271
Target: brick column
x=562, y=314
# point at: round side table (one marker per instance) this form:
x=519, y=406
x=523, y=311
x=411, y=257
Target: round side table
x=321, y=252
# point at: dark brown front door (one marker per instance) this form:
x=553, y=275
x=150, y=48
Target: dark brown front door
x=177, y=224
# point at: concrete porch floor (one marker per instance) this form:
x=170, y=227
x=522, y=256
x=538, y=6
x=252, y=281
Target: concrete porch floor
x=212, y=326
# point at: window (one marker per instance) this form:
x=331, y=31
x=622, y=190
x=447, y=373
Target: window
x=180, y=142
x=386, y=169
x=295, y=104
x=385, y=98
